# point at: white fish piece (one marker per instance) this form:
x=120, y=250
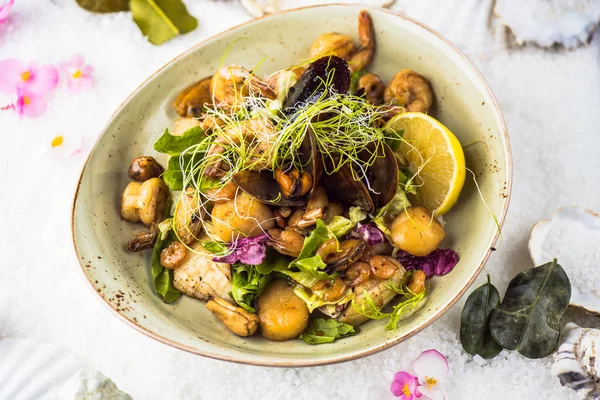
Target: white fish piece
x=199, y=276
x=89, y=384
x=577, y=361
x=572, y=236
x=569, y=23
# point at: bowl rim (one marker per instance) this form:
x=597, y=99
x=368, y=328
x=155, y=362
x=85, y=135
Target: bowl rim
x=499, y=117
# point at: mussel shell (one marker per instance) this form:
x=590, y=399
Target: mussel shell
x=310, y=86
x=263, y=186
x=382, y=176
x=192, y=100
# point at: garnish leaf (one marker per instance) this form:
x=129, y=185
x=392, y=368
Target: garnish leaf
x=104, y=6
x=315, y=298
x=386, y=214
x=173, y=175
x=175, y=145
x=161, y=276
x=475, y=334
x=215, y=247
x=528, y=320
x=317, y=237
x=247, y=284
x=321, y=330
x=162, y=20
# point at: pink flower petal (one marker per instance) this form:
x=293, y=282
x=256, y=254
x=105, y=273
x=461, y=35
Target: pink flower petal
x=76, y=60
x=10, y=75
x=43, y=79
x=404, y=385
x=432, y=364
x=83, y=83
x=87, y=70
x=5, y=10
x=431, y=394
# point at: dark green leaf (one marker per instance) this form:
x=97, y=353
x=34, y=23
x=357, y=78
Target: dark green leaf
x=475, y=334
x=173, y=175
x=321, y=330
x=163, y=277
x=162, y=20
x=175, y=145
x=247, y=284
x=528, y=320
x=104, y=6
x=273, y=262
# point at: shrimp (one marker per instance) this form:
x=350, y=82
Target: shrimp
x=362, y=58
x=372, y=87
x=343, y=46
x=232, y=83
x=259, y=132
x=410, y=90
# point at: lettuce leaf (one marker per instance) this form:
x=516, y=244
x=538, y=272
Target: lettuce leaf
x=161, y=276
x=215, y=247
x=314, y=298
x=386, y=214
x=315, y=239
x=175, y=145
x=321, y=330
x=340, y=226
x=246, y=284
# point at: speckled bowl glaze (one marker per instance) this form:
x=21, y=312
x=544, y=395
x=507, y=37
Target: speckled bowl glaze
x=464, y=103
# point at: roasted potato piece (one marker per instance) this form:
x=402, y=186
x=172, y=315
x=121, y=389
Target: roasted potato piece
x=282, y=314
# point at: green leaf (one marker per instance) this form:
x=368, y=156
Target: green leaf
x=312, y=269
x=314, y=298
x=162, y=20
x=173, y=175
x=214, y=247
x=340, y=226
x=354, y=78
x=475, y=334
x=273, y=262
x=104, y=6
x=247, y=284
x=386, y=214
x=175, y=145
x=317, y=237
x=161, y=276
x=528, y=320
x=321, y=330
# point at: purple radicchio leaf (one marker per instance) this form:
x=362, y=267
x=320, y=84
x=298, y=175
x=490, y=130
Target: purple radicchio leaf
x=439, y=262
x=369, y=233
x=251, y=251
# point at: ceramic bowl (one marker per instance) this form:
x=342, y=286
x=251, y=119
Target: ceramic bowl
x=464, y=103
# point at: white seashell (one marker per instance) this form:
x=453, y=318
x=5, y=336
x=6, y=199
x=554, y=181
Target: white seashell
x=88, y=384
x=547, y=22
x=573, y=237
x=576, y=362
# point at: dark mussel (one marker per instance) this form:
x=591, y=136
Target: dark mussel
x=376, y=189
x=192, y=100
x=263, y=186
x=324, y=77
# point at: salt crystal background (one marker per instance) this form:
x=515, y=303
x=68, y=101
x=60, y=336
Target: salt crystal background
x=551, y=101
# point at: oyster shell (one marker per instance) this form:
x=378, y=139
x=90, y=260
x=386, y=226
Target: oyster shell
x=572, y=236
x=576, y=362
x=569, y=23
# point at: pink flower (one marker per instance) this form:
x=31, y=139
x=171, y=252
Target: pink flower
x=79, y=76
x=404, y=386
x=35, y=79
x=5, y=10
x=431, y=368
x=29, y=104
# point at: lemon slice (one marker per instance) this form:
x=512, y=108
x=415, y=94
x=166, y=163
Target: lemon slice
x=435, y=155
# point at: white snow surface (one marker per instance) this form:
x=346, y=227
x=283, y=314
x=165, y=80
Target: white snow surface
x=551, y=101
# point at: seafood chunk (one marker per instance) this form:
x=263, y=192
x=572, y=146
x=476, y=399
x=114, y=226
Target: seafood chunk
x=199, y=276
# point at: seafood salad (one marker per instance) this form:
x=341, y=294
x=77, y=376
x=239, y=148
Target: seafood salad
x=303, y=203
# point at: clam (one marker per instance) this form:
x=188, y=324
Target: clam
x=577, y=361
x=192, y=100
x=572, y=236
x=263, y=186
x=375, y=189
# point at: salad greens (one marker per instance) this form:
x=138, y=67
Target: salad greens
x=321, y=330
x=176, y=147
x=161, y=276
x=340, y=226
x=247, y=284
x=386, y=214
